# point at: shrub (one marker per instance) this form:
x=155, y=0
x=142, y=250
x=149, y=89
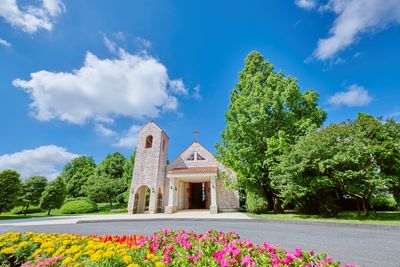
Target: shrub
x=21, y=210
x=256, y=202
x=79, y=206
x=384, y=203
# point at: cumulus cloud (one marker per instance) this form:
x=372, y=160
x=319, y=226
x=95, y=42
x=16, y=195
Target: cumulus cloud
x=104, y=131
x=129, y=138
x=44, y=161
x=31, y=18
x=178, y=87
x=306, y=4
x=129, y=85
x=354, y=18
x=354, y=96
x=5, y=43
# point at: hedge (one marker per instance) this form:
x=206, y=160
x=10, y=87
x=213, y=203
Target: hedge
x=79, y=206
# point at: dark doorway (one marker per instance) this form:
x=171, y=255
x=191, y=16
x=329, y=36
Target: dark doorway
x=197, y=197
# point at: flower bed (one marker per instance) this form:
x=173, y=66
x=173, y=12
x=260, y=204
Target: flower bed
x=165, y=248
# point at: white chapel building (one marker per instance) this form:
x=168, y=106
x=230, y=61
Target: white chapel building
x=194, y=180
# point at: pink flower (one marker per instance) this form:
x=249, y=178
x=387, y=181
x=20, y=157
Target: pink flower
x=247, y=261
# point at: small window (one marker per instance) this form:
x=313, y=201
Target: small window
x=191, y=157
x=200, y=157
x=149, y=141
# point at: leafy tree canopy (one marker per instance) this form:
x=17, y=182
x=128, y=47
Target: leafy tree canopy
x=10, y=187
x=103, y=188
x=76, y=173
x=267, y=113
x=356, y=158
x=112, y=166
x=54, y=195
x=32, y=190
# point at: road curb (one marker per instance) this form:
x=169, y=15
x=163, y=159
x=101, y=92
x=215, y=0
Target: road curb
x=265, y=221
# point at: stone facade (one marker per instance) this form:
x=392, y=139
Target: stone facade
x=170, y=186
x=150, y=169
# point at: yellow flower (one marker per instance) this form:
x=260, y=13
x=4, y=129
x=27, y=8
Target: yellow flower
x=67, y=261
x=127, y=259
x=96, y=256
x=108, y=253
x=133, y=265
x=159, y=264
x=23, y=244
x=8, y=250
x=150, y=256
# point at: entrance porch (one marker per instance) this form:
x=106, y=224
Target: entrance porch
x=192, y=188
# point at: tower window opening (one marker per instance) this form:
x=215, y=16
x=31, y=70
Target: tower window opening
x=149, y=141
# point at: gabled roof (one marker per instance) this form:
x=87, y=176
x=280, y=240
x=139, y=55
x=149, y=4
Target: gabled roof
x=155, y=124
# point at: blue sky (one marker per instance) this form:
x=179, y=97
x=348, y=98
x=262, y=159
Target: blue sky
x=80, y=77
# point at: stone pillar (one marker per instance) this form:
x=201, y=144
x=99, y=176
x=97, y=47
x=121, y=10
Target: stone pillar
x=131, y=202
x=213, y=185
x=171, y=197
x=153, y=201
x=141, y=200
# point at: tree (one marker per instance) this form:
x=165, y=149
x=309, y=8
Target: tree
x=76, y=173
x=128, y=168
x=54, y=195
x=267, y=113
x=10, y=187
x=356, y=158
x=32, y=191
x=103, y=188
x=112, y=166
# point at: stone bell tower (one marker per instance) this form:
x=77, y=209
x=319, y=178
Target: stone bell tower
x=149, y=172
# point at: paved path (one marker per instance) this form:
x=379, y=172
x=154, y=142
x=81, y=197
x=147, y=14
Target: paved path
x=184, y=214
x=365, y=245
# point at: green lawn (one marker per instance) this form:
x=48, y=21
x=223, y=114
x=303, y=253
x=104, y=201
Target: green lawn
x=379, y=217
x=104, y=208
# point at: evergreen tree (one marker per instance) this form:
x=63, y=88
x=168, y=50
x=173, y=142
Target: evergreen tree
x=10, y=188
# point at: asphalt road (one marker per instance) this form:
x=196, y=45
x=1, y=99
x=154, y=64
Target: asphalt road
x=364, y=245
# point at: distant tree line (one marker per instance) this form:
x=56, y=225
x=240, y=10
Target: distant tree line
x=284, y=158
x=81, y=178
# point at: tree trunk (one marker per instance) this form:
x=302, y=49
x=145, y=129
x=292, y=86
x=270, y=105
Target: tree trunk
x=358, y=208
x=48, y=212
x=110, y=200
x=26, y=209
x=365, y=203
x=277, y=205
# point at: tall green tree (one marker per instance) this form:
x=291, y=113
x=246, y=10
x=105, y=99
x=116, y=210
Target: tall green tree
x=128, y=168
x=357, y=158
x=10, y=188
x=54, y=195
x=112, y=166
x=267, y=113
x=76, y=173
x=32, y=191
x=104, y=189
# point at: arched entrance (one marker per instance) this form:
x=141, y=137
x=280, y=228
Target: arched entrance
x=142, y=200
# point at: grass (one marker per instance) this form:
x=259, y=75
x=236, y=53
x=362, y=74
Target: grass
x=379, y=217
x=104, y=208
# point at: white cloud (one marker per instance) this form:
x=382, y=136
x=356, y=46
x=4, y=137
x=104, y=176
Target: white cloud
x=111, y=46
x=178, y=87
x=354, y=96
x=196, y=92
x=128, y=139
x=104, y=131
x=306, y=4
x=5, y=43
x=134, y=86
x=31, y=18
x=355, y=17
x=44, y=161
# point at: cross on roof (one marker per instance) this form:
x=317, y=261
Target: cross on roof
x=196, y=135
